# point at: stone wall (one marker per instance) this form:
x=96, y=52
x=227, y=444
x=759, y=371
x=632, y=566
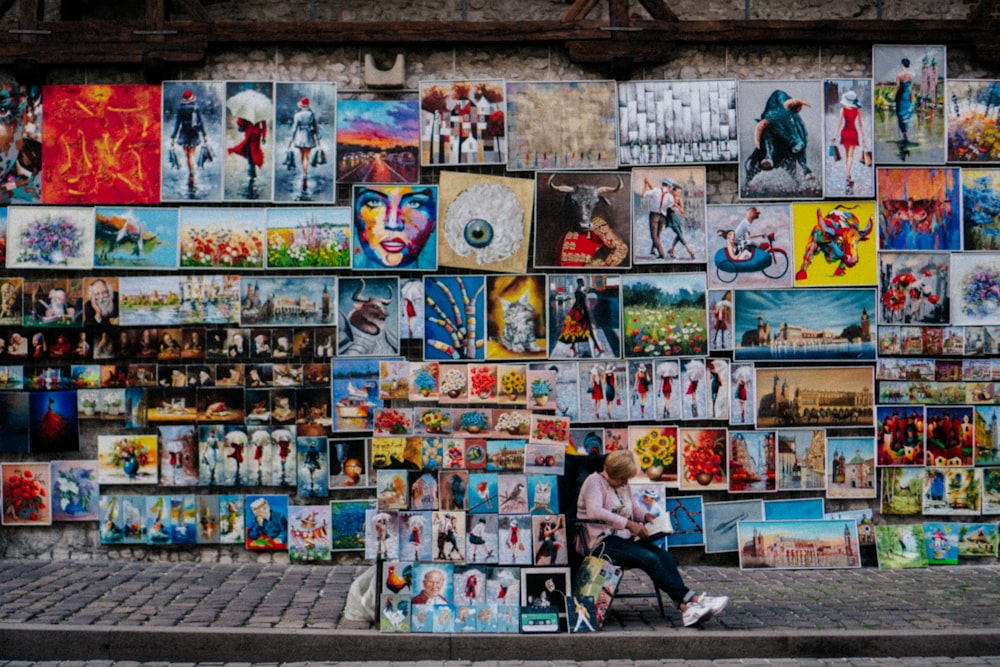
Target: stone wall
x=344, y=66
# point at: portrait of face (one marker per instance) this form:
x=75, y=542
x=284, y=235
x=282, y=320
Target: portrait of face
x=394, y=226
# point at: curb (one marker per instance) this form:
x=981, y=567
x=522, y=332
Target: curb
x=144, y=643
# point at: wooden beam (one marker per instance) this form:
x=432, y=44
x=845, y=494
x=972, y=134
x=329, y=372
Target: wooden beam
x=618, y=13
x=579, y=10
x=156, y=14
x=5, y=6
x=588, y=41
x=659, y=10
x=195, y=9
x=28, y=15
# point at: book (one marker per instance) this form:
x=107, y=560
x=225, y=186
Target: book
x=659, y=527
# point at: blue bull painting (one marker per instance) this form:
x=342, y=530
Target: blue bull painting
x=781, y=141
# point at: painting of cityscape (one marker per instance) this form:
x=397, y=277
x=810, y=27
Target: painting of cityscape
x=789, y=397
x=801, y=325
x=799, y=545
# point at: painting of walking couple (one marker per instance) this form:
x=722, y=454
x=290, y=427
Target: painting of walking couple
x=668, y=215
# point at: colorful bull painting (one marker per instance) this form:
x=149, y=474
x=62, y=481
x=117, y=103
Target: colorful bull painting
x=835, y=243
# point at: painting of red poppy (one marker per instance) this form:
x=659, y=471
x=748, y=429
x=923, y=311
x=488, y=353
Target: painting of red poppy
x=102, y=144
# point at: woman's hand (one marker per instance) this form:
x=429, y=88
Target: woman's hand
x=637, y=529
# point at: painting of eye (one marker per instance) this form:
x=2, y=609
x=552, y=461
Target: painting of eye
x=478, y=233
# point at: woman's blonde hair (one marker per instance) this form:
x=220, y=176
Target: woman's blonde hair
x=620, y=464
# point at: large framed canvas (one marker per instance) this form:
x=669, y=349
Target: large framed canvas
x=703, y=459
x=136, y=238
x=909, y=103
x=750, y=246
x=347, y=524
x=486, y=221
x=74, y=491
x=584, y=319
x=835, y=244
x=248, y=161
x=902, y=490
x=582, y=220
x=918, y=208
x=914, y=288
x=686, y=517
x=305, y=113
x=562, y=125
x=378, y=141
x=953, y=491
x=781, y=139
x=721, y=521
x=795, y=509
x=21, y=146
x=987, y=435
x=313, y=237
x=975, y=289
x=848, y=170
x=26, y=497
x=463, y=122
x=668, y=215
x=664, y=315
x=105, y=140
x=368, y=317
x=127, y=459
x=288, y=301
x=802, y=461
x=395, y=227
x=194, y=118
x=805, y=325
x=850, y=467
x=815, y=397
x=266, y=522
x=450, y=331
x=50, y=237
x=971, y=132
x=753, y=457
x=222, y=238
x=978, y=539
x=981, y=209
x=670, y=122
x=900, y=435
x=743, y=406
x=900, y=546
x=515, y=317
x=309, y=533
x=799, y=545
x=145, y=300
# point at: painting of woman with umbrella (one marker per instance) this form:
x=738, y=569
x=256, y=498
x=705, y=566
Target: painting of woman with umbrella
x=249, y=113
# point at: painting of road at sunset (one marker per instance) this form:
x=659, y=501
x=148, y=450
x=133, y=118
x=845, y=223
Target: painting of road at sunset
x=377, y=141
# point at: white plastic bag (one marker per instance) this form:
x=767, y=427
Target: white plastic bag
x=361, y=596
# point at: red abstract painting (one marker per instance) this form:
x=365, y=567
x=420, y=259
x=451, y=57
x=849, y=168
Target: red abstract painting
x=101, y=144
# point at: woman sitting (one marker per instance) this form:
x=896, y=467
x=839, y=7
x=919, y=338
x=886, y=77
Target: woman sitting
x=613, y=522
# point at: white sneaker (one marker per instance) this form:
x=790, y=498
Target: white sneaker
x=695, y=614
x=715, y=603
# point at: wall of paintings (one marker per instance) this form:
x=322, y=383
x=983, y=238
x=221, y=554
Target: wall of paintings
x=276, y=316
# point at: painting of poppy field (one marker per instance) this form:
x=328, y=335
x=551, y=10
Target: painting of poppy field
x=664, y=315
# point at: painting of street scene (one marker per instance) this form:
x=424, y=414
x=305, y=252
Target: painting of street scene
x=789, y=397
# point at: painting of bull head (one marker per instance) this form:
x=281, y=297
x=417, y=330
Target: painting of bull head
x=583, y=220
x=780, y=131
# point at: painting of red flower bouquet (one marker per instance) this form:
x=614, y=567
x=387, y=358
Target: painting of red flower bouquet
x=703, y=459
x=26, y=494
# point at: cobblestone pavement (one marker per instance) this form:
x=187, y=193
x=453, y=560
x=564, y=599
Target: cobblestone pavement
x=199, y=612
x=988, y=661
